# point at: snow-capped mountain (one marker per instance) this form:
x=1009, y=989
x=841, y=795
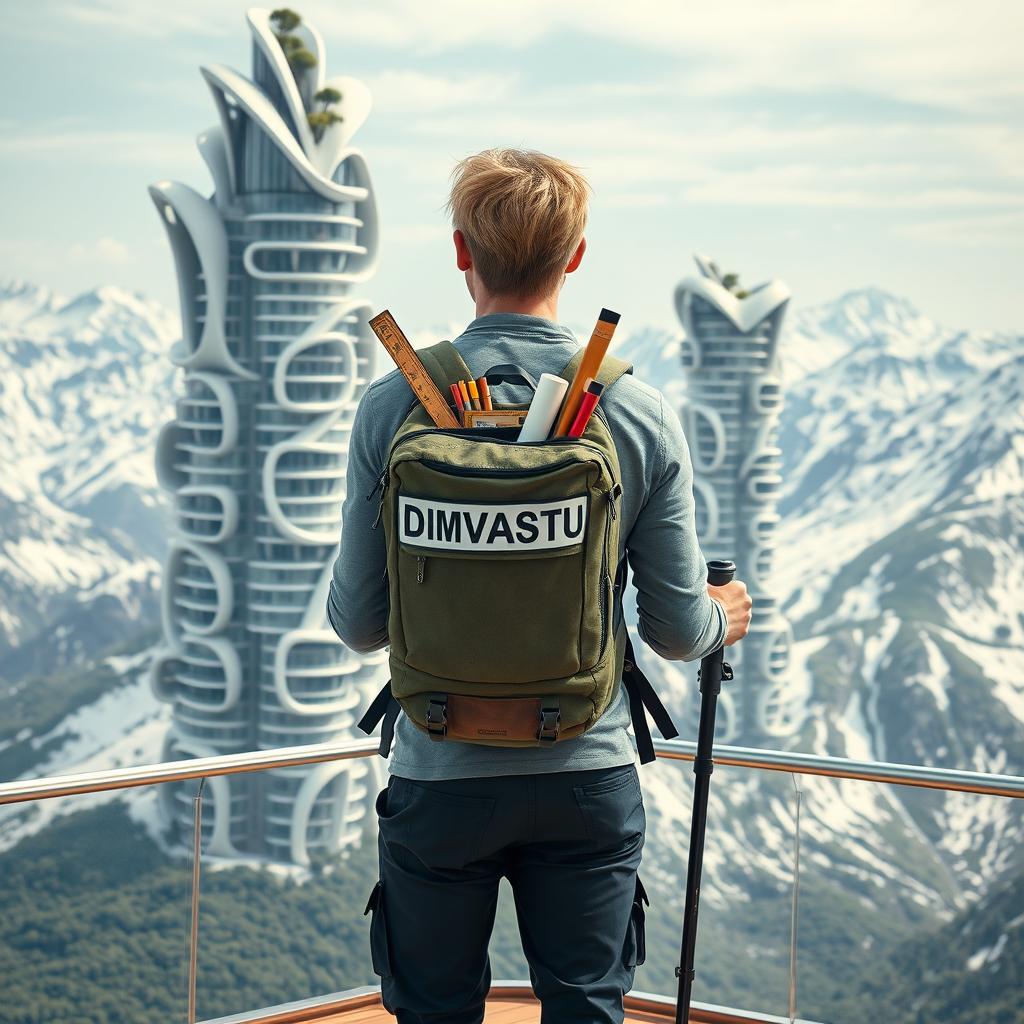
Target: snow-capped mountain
x=902, y=539
x=900, y=565
x=84, y=385
x=903, y=499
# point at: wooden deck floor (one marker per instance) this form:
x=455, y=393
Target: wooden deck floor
x=510, y=1002
x=499, y=1011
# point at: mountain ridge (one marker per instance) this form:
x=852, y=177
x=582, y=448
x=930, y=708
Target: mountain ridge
x=900, y=562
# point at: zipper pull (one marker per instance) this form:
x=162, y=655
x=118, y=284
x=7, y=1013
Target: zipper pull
x=379, y=484
x=421, y=567
x=613, y=494
x=380, y=512
x=382, y=485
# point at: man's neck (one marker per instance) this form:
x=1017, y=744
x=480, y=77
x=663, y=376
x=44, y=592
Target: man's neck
x=546, y=307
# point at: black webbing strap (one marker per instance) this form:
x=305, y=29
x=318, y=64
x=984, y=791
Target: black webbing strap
x=643, y=696
x=384, y=709
x=510, y=373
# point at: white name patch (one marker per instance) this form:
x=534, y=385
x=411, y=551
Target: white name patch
x=526, y=526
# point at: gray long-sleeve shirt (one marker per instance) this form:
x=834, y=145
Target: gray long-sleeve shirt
x=677, y=618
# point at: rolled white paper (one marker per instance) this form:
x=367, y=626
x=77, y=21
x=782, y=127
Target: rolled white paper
x=544, y=408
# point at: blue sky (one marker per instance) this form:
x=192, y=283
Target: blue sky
x=830, y=145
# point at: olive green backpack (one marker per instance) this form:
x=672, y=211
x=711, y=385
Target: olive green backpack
x=505, y=620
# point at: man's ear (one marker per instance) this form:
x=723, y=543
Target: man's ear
x=463, y=257
x=577, y=256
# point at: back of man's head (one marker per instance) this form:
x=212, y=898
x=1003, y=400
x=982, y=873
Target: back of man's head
x=522, y=214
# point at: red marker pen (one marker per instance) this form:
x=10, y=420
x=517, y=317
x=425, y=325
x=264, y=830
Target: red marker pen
x=587, y=405
x=457, y=395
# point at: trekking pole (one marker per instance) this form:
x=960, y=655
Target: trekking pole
x=712, y=671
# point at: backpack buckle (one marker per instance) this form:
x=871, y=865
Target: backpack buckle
x=437, y=716
x=550, y=719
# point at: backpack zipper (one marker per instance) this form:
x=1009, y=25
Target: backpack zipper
x=421, y=567
x=383, y=482
x=472, y=431
x=453, y=470
x=604, y=574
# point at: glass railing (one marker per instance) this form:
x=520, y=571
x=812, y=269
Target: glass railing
x=827, y=893
x=94, y=919
x=109, y=917
x=836, y=890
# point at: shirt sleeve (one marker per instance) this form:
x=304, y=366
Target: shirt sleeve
x=357, y=604
x=678, y=619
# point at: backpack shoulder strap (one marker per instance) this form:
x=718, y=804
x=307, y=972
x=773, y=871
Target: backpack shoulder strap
x=611, y=369
x=444, y=364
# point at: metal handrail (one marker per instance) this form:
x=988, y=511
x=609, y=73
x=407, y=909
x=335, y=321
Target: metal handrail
x=791, y=762
x=180, y=771
x=949, y=780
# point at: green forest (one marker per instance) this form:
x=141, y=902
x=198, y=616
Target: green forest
x=94, y=930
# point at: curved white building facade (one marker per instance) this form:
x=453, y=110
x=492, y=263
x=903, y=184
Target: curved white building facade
x=730, y=354
x=275, y=353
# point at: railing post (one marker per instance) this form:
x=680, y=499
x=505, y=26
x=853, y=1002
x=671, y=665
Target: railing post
x=795, y=899
x=193, y=949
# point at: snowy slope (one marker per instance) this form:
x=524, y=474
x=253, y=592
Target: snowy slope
x=84, y=385
x=901, y=566
x=124, y=726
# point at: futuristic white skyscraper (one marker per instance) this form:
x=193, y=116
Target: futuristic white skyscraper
x=275, y=354
x=730, y=354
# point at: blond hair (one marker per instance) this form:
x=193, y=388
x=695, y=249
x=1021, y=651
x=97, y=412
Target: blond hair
x=522, y=214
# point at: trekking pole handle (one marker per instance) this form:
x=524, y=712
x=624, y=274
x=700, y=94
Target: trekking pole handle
x=712, y=668
x=721, y=571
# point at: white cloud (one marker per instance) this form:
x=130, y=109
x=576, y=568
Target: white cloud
x=637, y=199
x=414, y=234
x=703, y=156
x=405, y=90
x=147, y=19
x=989, y=229
x=40, y=259
x=100, y=145
x=951, y=52
x=894, y=186
x=104, y=250
x=931, y=50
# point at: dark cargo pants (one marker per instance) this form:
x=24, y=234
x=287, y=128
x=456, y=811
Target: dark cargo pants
x=569, y=844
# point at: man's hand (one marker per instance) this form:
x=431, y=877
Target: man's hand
x=737, y=604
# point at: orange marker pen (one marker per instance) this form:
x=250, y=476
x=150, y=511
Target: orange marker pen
x=466, y=404
x=474, y=395
x=589, y=367
x=485, y=394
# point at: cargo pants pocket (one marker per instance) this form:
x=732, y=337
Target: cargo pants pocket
x=380, y=953
x=634, y=952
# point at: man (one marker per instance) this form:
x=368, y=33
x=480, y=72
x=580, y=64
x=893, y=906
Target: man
x=564, y=822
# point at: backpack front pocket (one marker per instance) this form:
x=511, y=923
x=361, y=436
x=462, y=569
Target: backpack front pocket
x=500, y=571
x=492, y=619
x=494, y=592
